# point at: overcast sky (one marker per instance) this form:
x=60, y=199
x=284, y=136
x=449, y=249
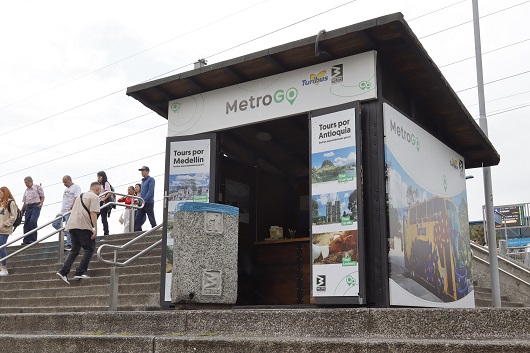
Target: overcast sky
x=65, y=67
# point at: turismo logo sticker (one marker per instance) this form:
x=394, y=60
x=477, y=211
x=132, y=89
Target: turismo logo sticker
x=321, y=283
x=315, y=79
x=337, y=74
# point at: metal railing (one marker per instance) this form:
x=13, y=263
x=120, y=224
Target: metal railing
x=60, y=231
x=501, y=258
x=114, y=272
x=519, y=254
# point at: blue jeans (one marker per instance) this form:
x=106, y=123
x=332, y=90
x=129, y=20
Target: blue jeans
x=3, y=252
x=80, y=239
x=139, y=219
x=32, y=213
x=57, y=225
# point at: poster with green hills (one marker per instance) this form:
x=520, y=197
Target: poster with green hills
x=334, y=166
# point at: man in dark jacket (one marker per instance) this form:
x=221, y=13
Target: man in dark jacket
x=148, y=194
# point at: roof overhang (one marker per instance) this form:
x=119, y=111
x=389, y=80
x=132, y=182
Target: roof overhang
x=389, y=35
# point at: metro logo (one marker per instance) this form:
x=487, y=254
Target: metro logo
x=254, y=102
x=405, y=135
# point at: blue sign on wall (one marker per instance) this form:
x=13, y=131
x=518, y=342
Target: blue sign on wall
x=518, y=242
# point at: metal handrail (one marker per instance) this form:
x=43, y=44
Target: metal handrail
x=478, y=247
x=114, y=271
x=125, y=246
x=140, y=204
x=503, y=271
x=61, y=230
x=36, y=241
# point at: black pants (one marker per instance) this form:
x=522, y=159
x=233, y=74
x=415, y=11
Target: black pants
x=80, y=239
x=104, y=214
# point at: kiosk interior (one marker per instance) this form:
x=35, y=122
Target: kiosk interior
x=298, y=138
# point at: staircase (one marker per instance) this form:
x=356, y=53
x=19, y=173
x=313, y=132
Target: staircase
x=32, y=285
x=271, y=331
x=514, y=279
x=40, y=313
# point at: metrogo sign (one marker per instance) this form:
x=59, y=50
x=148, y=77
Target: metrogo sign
x=335, y=82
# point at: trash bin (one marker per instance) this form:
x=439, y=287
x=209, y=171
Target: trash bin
x=205, y=253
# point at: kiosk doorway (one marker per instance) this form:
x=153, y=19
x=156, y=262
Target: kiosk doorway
x=264, y=170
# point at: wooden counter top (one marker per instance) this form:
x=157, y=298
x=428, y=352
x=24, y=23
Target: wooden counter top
x=281, y=241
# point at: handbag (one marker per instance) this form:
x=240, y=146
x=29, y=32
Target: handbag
x=121, y=219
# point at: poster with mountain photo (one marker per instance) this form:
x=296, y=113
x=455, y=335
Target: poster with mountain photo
x=334, y=233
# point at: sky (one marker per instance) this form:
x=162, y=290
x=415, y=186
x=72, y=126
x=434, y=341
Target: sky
x=65, y=67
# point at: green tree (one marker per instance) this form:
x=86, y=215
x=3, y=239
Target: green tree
x=476, y=234
x=352, y=204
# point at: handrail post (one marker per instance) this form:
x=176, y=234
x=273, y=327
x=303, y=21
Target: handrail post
x=114, y=278
x=131, y=219
x=61, y=242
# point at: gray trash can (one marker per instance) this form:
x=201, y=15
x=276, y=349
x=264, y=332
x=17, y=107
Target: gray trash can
x=205, y=253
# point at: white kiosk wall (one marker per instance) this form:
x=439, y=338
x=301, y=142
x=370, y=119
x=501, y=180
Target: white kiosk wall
x=430, y=256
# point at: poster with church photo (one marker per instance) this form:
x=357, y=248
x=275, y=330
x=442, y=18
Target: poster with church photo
x=333, y=208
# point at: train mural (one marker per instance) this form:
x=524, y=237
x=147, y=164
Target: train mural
x=431, y=237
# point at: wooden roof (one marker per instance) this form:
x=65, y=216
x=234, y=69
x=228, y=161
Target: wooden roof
x=389, y=35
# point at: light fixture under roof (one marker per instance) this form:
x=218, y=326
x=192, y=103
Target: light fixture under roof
x=263, y=136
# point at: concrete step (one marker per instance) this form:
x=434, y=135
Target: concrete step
x=482, y=289
x=221, y=344
x=62, y=302
x=96, y=271
x=52, y=248
x=363, y=323
x=76, y=344
x=53, y=281
x=487, y=296
x=53, y=257
x=79, y=290
x=46, y=267
x=85, y=310
x=487, y=303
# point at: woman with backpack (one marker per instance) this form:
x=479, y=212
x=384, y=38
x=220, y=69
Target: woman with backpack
x=105, y=186
x=8, y=215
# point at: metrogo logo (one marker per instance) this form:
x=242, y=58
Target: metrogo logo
x=405, y=135
x=255, y=102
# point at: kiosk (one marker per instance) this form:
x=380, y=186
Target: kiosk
x=345, y=153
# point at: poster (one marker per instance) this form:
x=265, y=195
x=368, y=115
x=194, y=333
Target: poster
x=335, y=253
x=429, y=252
x=188, y=180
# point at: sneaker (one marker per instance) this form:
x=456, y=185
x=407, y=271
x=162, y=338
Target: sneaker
x=4, y=272
x=68, y=248
x=64, y=278
x=81, y=277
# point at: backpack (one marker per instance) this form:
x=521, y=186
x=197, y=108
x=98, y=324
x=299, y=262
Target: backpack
x=18, y=217
x=112, y=197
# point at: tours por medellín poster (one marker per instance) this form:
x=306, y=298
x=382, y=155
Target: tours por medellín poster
x=189, y=180
x=429, y=252
x=335, y=252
